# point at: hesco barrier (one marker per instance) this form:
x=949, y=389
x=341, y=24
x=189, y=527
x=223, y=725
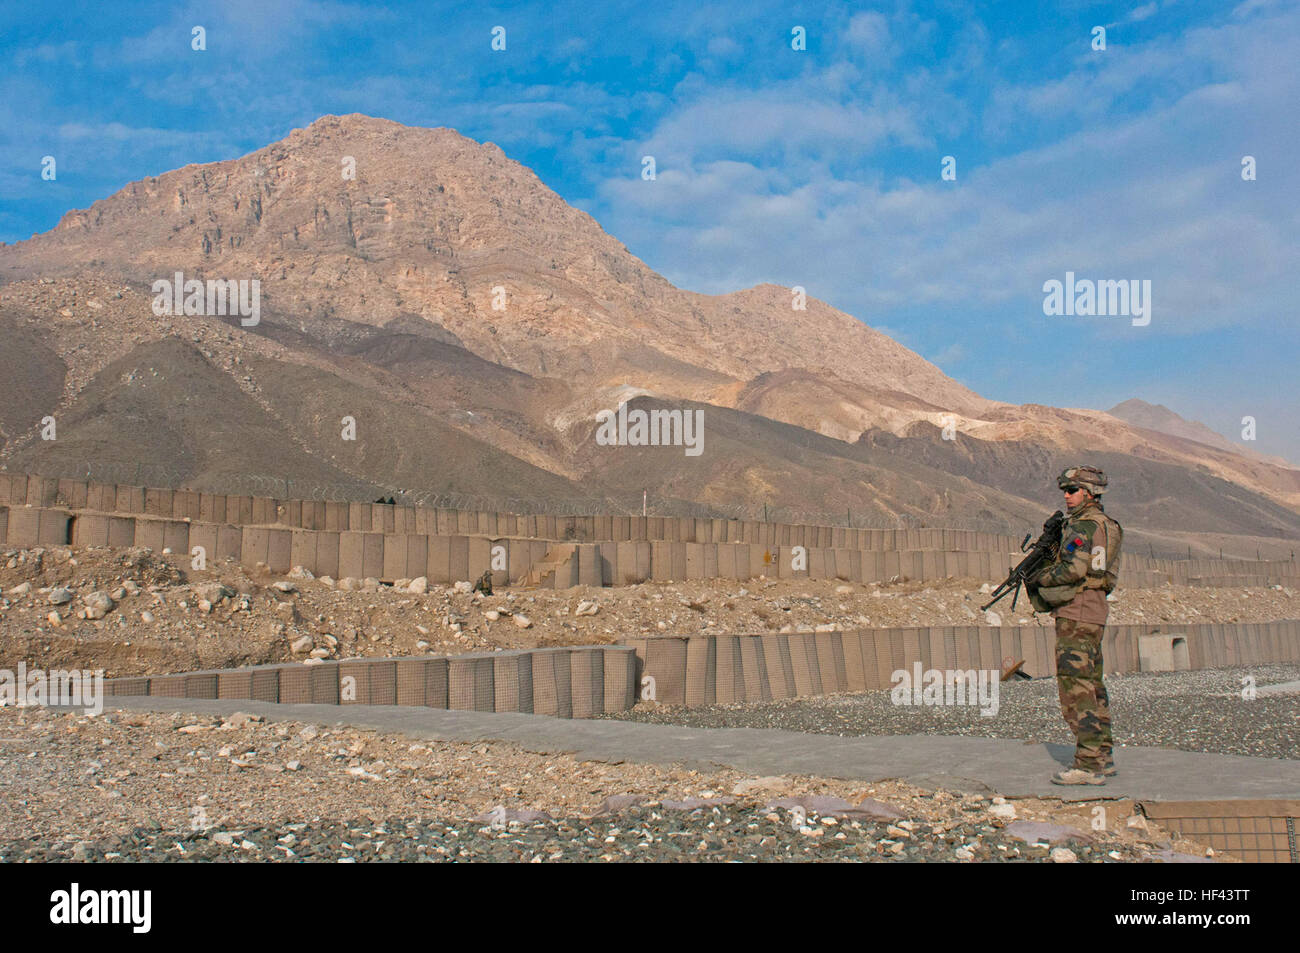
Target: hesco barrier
x=118, y=499
x=724, y=669
x=550, y=564
x=1259, y=831
x=81, y=499
x=578, y=682
x=586, y=680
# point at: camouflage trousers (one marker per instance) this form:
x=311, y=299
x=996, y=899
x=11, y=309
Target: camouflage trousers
x=1084, y=702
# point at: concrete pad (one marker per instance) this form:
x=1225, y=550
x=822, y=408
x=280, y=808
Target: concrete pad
x=1009, y=767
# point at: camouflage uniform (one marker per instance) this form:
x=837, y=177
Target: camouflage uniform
x=1076, y=585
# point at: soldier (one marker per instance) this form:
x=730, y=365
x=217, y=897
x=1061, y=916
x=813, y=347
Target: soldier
x=1074, y=588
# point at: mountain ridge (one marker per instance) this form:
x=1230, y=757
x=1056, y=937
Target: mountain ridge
x=381, y=290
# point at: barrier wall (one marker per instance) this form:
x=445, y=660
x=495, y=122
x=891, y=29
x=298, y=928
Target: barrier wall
x=1256, y=831
x=724, y=669
x=81, y=499
x=525, y=561
x=583, y=681
x=105, y=498
x=578, y=682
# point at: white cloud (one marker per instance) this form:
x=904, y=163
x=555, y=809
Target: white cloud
x=763, y=187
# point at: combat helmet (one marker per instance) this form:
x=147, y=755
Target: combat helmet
x=1090, y=478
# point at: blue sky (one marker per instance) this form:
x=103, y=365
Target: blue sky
x=818, y=167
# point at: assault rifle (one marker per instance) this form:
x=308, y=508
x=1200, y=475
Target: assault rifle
x=1042, y=553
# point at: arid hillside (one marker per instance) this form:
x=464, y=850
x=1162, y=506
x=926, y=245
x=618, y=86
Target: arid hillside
x=471, y=325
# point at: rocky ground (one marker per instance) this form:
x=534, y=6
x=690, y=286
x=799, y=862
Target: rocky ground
x=135, y=612
x=131, y=786
x=1196, y=711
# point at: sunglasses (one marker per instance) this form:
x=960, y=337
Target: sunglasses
x=1071, y=489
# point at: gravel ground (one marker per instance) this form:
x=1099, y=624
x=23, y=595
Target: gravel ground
x=1195, y=711
x=128, y=786
x=646, y=834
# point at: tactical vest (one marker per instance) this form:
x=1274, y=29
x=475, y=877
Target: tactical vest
x=1109, y=535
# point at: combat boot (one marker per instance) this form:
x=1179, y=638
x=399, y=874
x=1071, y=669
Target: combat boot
x=1077, y=776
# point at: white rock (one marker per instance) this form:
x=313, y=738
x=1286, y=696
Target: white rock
x=371, y=582
x=53, y=618
x=328, y=582
x=992, y=618
x=146, y=616
x=1007, y=811
x=523, y=621
x=284, y=585
x=204, y=606
x=301, y=572
x=586, y=607
x=97, y=600
x=421, y=645
x=1063, y=855
x=985, y=588
x=320, y=653
x=462, y=586
x=213, y=592
x=302, y=644
x=294, y=765
x=964, y=853
x=844, y=590
x=825, y=627
x=492, y=615
x=350, y=584
x=419, y=585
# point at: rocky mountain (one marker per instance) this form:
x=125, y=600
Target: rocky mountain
x=472, y=324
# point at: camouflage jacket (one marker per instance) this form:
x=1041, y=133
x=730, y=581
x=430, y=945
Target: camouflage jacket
x=1088, y=562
